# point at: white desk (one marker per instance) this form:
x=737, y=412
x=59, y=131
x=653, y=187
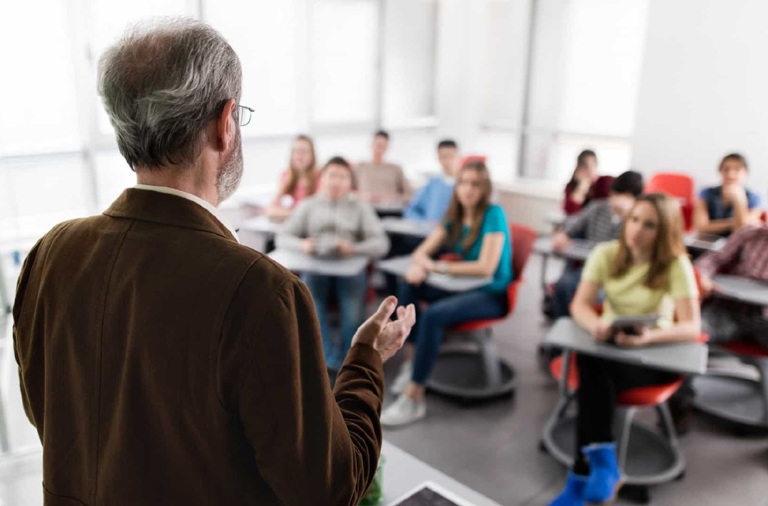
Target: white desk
x=400, y=265
x=301, y=262
x=403, y=473
x=262, y=225
x=556, y=219
x=703, y=242
x=742, y=289
x=413, y=228
x=681, y=358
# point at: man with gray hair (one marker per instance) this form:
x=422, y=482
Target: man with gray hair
x=161, y=361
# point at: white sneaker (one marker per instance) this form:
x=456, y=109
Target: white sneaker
x=404, y=411
x=403, y=378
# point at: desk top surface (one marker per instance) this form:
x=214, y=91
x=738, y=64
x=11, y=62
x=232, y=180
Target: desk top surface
x=262, y=224
x=743, y=289
x=681, y=358
x=408, y=227
x=400, y=265
x=335, y=266
x=404, y=473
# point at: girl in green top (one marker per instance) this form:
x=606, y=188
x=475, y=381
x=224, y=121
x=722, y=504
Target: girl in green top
x=646, y=271
x=477, y=234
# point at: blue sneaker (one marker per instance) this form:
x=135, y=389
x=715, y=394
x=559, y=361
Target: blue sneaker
x=605, y=477
x=573, y=495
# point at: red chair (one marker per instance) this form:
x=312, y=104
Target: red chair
x=480, y=373
x=676, y=185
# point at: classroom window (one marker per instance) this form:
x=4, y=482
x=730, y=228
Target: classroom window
x=409, y=60
x=344, y=57
x=35, y=116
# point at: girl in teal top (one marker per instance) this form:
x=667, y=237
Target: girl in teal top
x=476, y=235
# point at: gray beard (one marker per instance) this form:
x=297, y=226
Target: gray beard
x=231, y=171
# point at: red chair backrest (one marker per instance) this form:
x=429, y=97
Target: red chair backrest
x=673, y=184
x=523, y=239
x=522, y=246
x=473, y=158
x=676, y=185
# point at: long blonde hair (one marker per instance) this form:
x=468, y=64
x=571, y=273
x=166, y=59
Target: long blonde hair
x=294, y=173
x=667, y=247
x=454, y=216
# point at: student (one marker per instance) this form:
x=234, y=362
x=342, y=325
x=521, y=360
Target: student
x=431, y=202
x=379, y=181
x=477, y=230
x=646, y=271
x=745, y=254
x=600, y=221
x=299, y=181
x=584, y=175
x=730, y=206
x=335, y=222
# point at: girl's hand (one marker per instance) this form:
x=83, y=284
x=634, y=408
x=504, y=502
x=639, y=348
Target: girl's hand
x=416, y=275
x=642, y=338
x=602, y=331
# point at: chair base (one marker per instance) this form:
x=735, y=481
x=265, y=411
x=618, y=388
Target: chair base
x=733, y=399
x=651, y=460
x=462, y=374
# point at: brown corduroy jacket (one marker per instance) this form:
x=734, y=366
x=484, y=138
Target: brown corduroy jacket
x=165, y=364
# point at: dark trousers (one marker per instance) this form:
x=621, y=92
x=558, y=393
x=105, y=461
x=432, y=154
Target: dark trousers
x=600, y=381
x=399, y=245
x=565, y=289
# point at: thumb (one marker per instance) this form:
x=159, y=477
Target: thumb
x=387, y=307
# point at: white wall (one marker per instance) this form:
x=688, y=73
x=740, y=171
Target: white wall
x=704, y=88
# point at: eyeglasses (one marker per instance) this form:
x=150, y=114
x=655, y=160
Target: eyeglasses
x=244, y=114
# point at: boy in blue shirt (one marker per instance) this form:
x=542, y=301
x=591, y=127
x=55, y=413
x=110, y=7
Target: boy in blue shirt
x=431, y=201
x=731, y=206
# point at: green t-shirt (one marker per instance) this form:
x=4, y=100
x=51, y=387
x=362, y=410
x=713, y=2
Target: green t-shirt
x=628, y=296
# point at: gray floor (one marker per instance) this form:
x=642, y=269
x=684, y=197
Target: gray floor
x=492, y=448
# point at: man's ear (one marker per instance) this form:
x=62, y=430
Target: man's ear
x=226, y=124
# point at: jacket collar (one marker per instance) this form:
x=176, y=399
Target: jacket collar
x=167, y=209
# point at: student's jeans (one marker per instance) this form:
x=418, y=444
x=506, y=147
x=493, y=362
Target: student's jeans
x=350, y=298
x=445, y=310
x=565, y=289
x=600, y=381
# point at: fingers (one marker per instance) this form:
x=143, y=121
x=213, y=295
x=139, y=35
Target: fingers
x=387, y=307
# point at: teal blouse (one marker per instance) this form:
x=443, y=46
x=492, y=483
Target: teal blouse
x=494, y=220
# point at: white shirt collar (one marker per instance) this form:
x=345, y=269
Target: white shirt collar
x=194, y=198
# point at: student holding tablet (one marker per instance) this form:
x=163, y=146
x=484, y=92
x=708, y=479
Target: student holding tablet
x=645, y=272
x=477, y=231
x=730, y=206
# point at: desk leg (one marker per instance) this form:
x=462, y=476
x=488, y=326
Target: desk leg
x=544, y=262
x=564, y=376
x=762, y=368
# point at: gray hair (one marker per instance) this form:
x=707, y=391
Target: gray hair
x=161, y=84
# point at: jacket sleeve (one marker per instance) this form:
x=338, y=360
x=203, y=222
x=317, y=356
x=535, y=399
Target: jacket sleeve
x=714, y=262
x=21, y=290
x=295, y=229
x=577, y=226
x=311, y=445
x=374, y=241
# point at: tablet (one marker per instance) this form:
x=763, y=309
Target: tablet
x=430, y=494
x=629, y=322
